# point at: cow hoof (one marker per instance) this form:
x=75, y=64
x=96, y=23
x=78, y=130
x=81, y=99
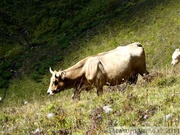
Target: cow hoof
x=75, y=97
x=99, y=93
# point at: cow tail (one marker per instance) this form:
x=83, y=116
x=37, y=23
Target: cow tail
x=101, y=67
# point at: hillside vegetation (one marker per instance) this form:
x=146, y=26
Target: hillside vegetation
x=35, y=35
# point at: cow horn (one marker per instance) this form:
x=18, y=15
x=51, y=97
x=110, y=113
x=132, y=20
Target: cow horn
x=51, y=70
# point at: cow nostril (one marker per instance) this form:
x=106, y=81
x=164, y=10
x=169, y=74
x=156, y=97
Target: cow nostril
x=48, y=93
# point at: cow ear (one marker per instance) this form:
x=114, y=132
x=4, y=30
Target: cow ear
x=63, y=74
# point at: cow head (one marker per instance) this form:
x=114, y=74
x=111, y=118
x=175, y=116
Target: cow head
x=56, y=81
x=175, y=57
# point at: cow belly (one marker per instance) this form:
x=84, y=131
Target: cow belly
x=119, y=79
x=118, y=70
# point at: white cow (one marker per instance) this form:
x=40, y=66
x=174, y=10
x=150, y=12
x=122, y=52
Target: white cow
x=113, y=68
x=175, y=57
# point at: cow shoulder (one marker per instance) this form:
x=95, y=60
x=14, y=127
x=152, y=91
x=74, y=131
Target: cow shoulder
x=92, y=66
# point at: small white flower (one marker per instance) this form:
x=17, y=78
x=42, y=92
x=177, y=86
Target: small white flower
x=0, y=98
x=107, y=109
x=25, y=102
x=145, y=117
x=37, y=131
x=167, y=117
x=50, y=115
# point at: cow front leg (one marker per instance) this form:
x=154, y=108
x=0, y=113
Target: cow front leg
x=76, y=94
x=100, y=91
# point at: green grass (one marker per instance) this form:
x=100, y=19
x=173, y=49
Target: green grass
x=145, y=104
x=77, y=31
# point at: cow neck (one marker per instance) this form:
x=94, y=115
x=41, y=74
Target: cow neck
x=75, y=71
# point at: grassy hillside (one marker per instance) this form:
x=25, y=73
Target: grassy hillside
x=36, y=35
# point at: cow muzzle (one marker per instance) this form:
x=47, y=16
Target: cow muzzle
x=173, y=63
x=49, y=92
x=52, y=92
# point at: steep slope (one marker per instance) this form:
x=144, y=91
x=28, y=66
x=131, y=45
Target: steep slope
x=35, y=35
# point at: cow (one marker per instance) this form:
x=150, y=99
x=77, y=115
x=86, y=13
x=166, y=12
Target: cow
x=175, y=57
x=109, y=68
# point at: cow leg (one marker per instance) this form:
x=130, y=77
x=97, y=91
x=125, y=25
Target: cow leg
x=133, y=79
x=100, y=91
x=76, y=94
x=77, y=90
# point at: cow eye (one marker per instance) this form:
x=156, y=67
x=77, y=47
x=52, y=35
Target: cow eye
x=55, y=82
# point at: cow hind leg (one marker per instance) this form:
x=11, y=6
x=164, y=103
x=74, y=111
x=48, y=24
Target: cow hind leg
x=99, y=91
